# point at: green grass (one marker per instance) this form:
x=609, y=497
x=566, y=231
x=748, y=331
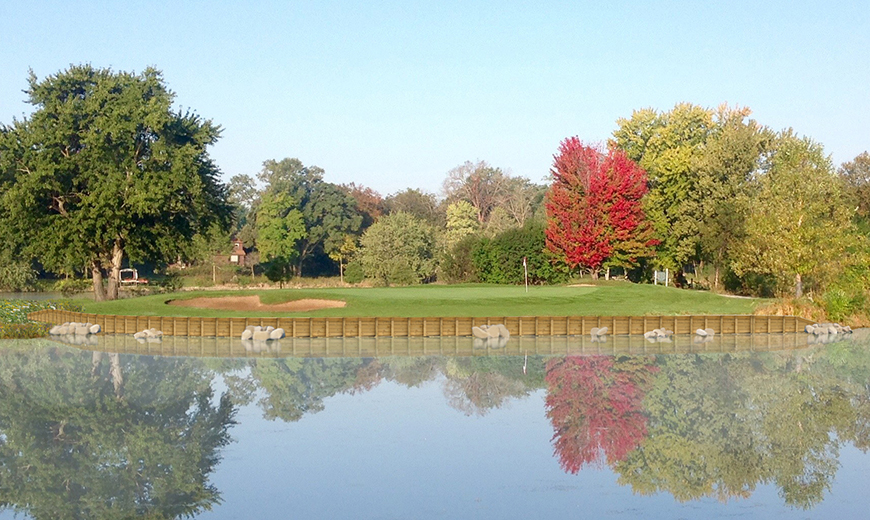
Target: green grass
x=604, y=299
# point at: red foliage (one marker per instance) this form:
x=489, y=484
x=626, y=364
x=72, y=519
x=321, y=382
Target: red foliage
x=595, y=406
x=594, y=207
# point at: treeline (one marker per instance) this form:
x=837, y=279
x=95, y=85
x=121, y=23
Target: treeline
x=105, y=172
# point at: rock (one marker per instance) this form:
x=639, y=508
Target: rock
x=261, y=335
x=809, y=329
x=602, y=331
x=710, y=332
x=247, y=334
x=153, y=333
x=276, y=334
x=54, y=330
x=251, y=328
x=477, y=332
x=847, y=329
x=95, y=329
x=82, y=331
x=503, y=331
x=650, y=334
x=270, y=328
x=701, y=332
x=594, y=331
x=140, y=335
x=492, y=331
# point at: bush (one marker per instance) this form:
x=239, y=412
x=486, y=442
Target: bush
x=458, y=264
x=17, y=276
x=500, y=260
x=171, y=282
x=72, y=286
x=353, y=272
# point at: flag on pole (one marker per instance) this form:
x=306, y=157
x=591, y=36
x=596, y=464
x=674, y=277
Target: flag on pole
x=526, y=271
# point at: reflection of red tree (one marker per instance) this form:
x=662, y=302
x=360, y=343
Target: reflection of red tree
x=594, y=404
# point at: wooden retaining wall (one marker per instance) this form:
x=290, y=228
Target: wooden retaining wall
x=349, y=327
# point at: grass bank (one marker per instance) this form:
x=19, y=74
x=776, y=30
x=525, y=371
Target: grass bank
x=603, y=299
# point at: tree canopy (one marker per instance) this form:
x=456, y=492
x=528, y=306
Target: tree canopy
x=105, y=169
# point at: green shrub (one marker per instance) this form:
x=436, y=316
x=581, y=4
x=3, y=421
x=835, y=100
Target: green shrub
x=353, y=272
x=458, y=264
x=72, y=286
x=17, y=276
x=171, y=282
x=500, y=260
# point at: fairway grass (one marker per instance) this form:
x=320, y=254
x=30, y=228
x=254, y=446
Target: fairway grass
x=476, y=300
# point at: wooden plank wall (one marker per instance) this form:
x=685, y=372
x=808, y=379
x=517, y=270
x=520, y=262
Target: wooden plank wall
x=425, y=327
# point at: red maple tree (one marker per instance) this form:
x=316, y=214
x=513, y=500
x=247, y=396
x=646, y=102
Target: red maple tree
x=595, y=406
x=594, y=211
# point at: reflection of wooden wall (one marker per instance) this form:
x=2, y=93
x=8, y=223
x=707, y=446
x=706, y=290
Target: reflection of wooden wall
x=424, y=327
x=369, y=347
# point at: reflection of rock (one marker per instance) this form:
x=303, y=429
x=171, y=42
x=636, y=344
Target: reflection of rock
x=820, y=329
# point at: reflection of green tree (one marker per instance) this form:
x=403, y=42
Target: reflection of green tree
x=476, y=385
x=91, y=437
x=295, y=386
x=721, y=424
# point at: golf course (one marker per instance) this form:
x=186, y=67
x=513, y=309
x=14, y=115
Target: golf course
x=604, y=298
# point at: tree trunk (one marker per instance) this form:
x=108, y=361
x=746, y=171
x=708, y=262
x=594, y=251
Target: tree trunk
x=341, y=271
x=117, y=374
x=115, y=274
x=594, y=274
x=716, y=279
x=798, y=286
x=607, y=274
x=97, y=277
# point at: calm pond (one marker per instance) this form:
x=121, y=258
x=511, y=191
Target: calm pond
x=750, y=427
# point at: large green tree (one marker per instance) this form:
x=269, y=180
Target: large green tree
x=329, y=211
x=668, y=145
x=798, y=226
x=280, y=226
x=105, y=169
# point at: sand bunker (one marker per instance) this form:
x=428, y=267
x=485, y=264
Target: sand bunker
x=253, y=303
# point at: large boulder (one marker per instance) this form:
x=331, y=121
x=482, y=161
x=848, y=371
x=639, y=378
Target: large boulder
x=95, y=329
x=261, y=335
x=276, y=333
x=247, y=334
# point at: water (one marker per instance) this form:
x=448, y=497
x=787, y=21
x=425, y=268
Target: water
x=751, y=432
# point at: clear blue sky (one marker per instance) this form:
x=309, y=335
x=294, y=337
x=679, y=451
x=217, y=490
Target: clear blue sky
x=394, y=94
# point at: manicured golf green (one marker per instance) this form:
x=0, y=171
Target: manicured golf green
x=603, y=299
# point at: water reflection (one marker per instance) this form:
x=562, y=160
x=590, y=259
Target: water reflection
x=92, y=436
x=98, y=434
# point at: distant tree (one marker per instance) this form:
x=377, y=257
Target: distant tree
x=104, y=169
x=522, y=199
x=369, y=203
x=667, y=146
x=243, y=191
x=422, y=205
x=280, y=226
x=328, y=210
x=856, y=177
x=798, y=226
x=461, y=222
x=398, y=249
x=594, y=208
x=482, y=185
x=732, y=156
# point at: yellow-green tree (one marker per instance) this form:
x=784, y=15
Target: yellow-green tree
x=798, y=228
